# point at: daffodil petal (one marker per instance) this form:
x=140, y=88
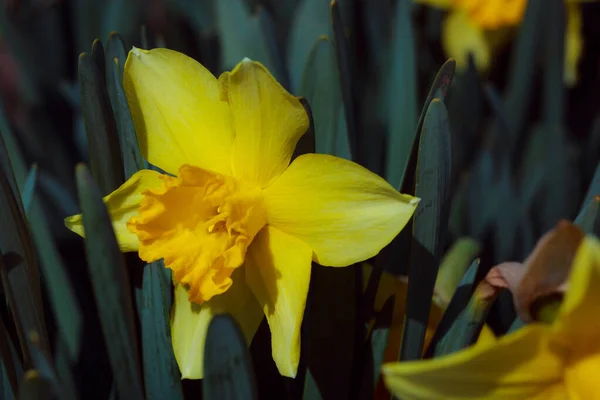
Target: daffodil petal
x=177, y=111
x=577, y=325
x=343, y=211
x=581, y=377
x=268, y=122
x=517, y=366
x=122, y=204
x=189, y=322
x=278, y=273
x=462, y=36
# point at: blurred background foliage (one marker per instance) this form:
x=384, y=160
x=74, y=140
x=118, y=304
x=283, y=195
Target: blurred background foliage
x=524, y=152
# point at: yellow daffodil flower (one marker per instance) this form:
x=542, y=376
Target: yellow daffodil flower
x=540, y=361
x=237, y=223
x=481, y=26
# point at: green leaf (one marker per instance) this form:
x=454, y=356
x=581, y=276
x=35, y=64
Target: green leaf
x=110, y=283
x=454, y=328
x=554, y=55
x=29, y=188
x=11, y=366
x=20, y=275
x=62, y=296
x=430, y=224
x=43, y=365
x=439, y=90
x=378, y=341
x=342, y=141
x=103, y=141
x=115, y=62
x=522, y=69
x=402, y=95
x=594, y=186
x=243, y=35
x=589, y=217
x=311, y=20
x=161, y=374
x=345, y=65
x=329, y=328
x=35, y=387
x=228, y=371
x=320, y=86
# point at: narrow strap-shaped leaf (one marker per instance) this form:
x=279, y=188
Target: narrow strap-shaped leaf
x=62, y=296
x=438, y=90
x=19, y=261
x=519, y=89
x=11, y=368
x=242, y=35
x=45, y=367
x=450, y=324
x=29, y=187
x=110, y=283
x=103, y=141
x=429, y=228
x=594, y=187
x=321, y=87
x=162, y=379
x=228, y=371
x=554, y=54
x=589, y=217
x=115, y=62
x=344, y=64
x=402, y=94
x=35, y=387
x=329, y=328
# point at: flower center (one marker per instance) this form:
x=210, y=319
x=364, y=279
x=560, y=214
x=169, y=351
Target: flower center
x=201, y=223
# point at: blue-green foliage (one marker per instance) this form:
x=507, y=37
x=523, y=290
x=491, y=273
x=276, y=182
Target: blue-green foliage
x=493, y=157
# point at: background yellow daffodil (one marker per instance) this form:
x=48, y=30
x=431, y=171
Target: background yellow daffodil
x=540, y=361
x=233, y=199
x=480, y=27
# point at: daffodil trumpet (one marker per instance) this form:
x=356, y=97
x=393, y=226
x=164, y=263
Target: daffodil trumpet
x=235, y=220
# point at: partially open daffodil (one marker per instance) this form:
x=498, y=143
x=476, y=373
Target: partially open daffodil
x=540, y=361
x=235, y=221
x=480, y=26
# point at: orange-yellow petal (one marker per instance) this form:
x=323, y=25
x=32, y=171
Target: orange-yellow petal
x=268, y=122
x=189, y=322
x=278, y=273
x=177, y=111
x=201, y=223
x=344, y=212
x=122, y=204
